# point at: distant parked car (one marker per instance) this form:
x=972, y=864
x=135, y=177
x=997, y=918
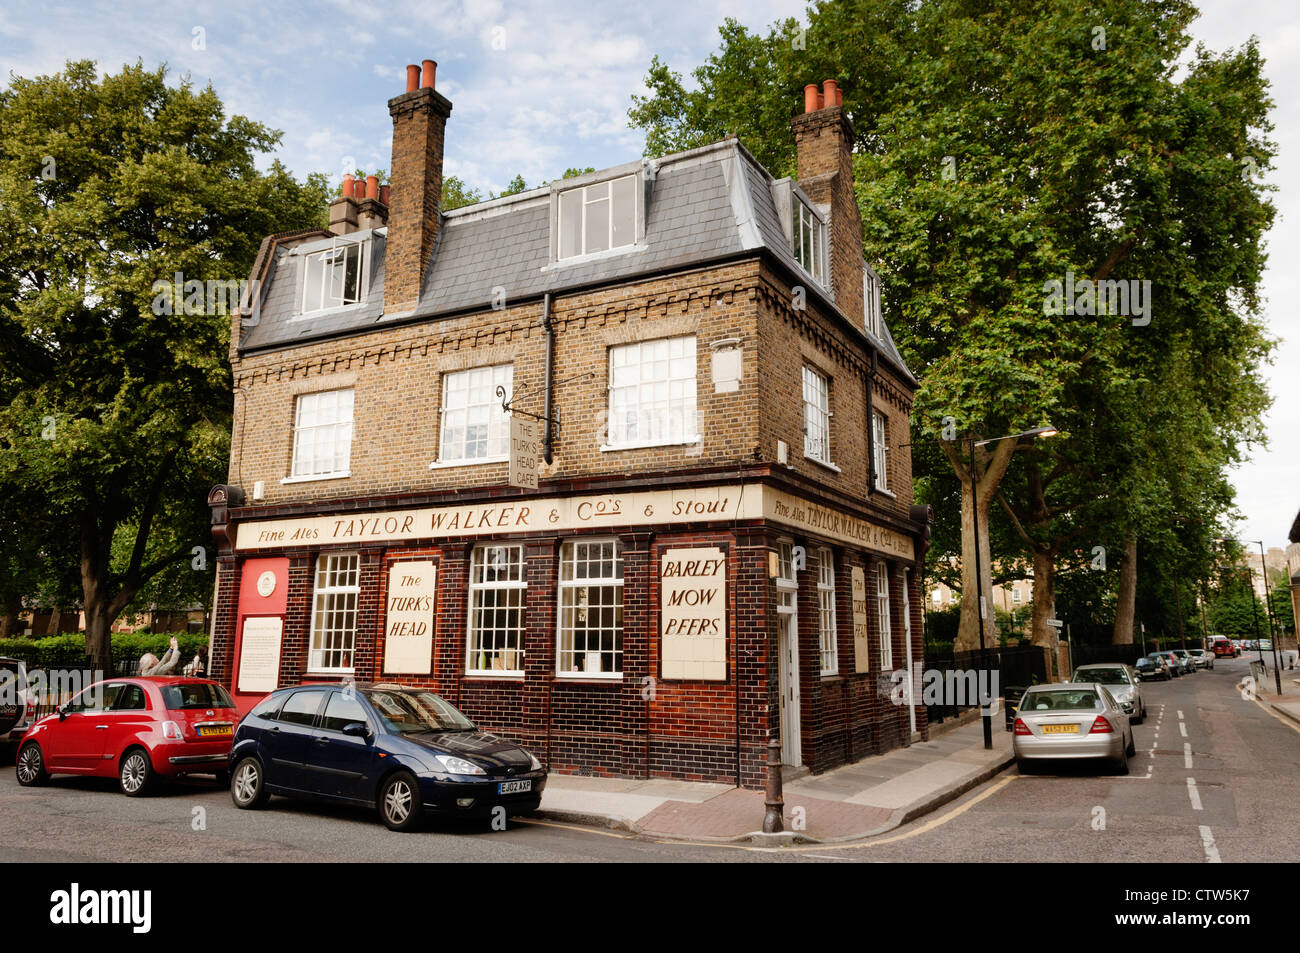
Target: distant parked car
x=1201, y=658
x=1121, y=680
x=134, y=729
x=405, y=752
x=1149, y=669
x=1266, y=645
x=17, y=703
x=1223, y=647
x=1185, y=660
x=1071, y=721
x=1169, y=662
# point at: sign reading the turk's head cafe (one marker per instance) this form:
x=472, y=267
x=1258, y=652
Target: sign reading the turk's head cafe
x=693, y=613
x=408, y=626
x=524, y=456
x=861, y=643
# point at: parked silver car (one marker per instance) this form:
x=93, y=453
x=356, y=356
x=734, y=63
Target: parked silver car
x=1071, y=721
x=1123, y=682
x=1201, y=658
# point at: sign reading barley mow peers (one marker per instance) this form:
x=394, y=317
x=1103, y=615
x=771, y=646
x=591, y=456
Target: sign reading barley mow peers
x=259, y=654
x=408, y=627
x=524, y=445
x=861, y=644
x=693, y=613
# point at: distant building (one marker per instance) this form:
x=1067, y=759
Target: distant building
x=1293, y=573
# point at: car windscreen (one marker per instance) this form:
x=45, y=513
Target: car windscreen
x=195, y=695
x=1061, y=699
x=1104, y=676
x=407, y=712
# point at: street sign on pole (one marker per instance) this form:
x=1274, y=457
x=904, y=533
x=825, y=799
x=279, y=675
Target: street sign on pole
x=1055, y=623
x=524, y=447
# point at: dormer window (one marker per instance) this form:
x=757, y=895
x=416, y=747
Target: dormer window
x=597, y=218
x=335, y=277
x=871, y=302
x=808, y=234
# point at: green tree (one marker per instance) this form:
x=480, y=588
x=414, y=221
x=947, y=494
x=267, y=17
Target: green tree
x=116, y=409
x=1002, y=146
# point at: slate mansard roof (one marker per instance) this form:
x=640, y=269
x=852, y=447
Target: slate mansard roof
x=700, y=206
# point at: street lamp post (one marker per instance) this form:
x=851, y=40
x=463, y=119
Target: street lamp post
x=979, y=573
x=1268, y=607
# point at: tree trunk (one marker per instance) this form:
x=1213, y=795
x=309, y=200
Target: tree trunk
x=56, y=621
x=968, y=630
x=1128, y=574
x=1043, y=635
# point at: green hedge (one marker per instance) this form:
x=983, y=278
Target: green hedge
x=69, y=649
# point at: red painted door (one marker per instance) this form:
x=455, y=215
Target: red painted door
x=263, y=593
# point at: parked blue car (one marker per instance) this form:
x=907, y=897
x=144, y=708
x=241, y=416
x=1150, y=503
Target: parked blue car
x=404, y=751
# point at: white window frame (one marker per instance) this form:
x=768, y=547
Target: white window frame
x=829, y=643
x=817, y=415
x=871, y=302
x=882, y=617
x=586, y=197
x=331, y=429
x=880, y=449
x=808, y=232
x=564, y=657
x=487, y=413
x=323, y=610
x=661, y=420
x=333, y=301
x=482, y=559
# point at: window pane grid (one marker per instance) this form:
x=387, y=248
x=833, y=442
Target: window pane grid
x=826, y=611
x=322, y=434
x=882, y=618
x=817, y=422
x=652, y=395
x=880, y=450
x=474, y=426
x=334, y=277
x=334, y=612
x=497, y=609
x=597, y=218
x=591, y=608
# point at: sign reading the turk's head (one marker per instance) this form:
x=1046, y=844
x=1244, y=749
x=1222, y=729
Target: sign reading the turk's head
x=693, y=613
x=861, y=643
x=524, y=452
x=408, y=629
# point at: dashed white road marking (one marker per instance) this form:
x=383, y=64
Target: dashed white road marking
x=1211, y=850
x=1180, y=714
x=1194, y=795
x=1183, y=729
x=1187, y=754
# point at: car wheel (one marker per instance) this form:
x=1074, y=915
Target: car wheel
x=1121, y=764
x=1024, y=767
x=31, y=766
x=135, y=775
x=248, y=785
x=223, y=778
x=399, y=802
x=1131, y=750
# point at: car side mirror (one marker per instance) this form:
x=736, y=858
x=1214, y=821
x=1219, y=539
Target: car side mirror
x=357, y=729
x=63, y=712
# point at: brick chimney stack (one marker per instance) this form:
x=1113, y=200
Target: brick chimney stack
x=823, y=139
x=419, y=123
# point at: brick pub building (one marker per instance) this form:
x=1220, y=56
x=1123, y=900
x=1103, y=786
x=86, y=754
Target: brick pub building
x=721, y=541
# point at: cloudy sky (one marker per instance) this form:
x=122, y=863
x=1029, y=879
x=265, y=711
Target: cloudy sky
x=539, y=87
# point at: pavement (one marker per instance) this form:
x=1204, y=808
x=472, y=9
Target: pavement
x=1286, y=704
x=869, y=797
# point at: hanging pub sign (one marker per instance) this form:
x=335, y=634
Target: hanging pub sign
x=524, y=447
x=408, y=626
x=693, y=613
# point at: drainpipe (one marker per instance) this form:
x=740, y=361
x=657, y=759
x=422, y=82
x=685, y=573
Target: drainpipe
x=548, y=445
x=871, y=424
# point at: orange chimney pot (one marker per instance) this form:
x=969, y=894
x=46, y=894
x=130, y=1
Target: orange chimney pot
x=429, y=68
x=412, y=78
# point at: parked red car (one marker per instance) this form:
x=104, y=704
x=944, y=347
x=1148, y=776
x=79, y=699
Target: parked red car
x=134, y=729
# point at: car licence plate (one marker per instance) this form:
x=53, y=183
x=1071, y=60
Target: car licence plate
x=1060, y=729
x=215, y=730
x=514, y=787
